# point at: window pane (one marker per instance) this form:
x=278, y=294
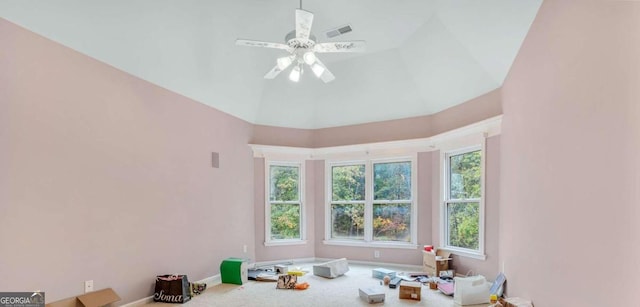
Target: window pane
x=285, y=221
x=464, y=175
x=284, y=183
x=391, y=222
x=347, y=221
x=463, y=224
x=392, y=181
x=347, y=182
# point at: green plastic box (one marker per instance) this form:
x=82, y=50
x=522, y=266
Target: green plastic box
x=233, y=271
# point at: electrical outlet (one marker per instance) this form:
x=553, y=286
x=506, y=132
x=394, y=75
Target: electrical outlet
x=88, y=286
x=244, y=248
x=376, y=254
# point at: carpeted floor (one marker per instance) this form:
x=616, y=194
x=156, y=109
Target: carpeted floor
x=341, y=291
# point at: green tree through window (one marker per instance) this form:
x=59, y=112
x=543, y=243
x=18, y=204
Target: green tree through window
x=463, y=200
x=392, y=201
x=284, y=200
x=347, y=201
x=385, y=193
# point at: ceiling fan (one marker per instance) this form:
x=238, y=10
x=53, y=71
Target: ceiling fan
x=302, y=47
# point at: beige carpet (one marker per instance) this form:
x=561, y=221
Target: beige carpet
x=341, y=291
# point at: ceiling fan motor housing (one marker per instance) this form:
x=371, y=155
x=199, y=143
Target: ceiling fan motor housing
x=297, y=43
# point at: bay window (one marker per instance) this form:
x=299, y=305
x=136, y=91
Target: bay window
x=372, y=202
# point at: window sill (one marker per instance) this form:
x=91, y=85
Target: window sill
x=371, y=244
x=285, y=242
x=465, y=253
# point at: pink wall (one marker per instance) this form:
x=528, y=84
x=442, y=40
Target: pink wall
x=474, y=110
x=269, y=253
x=569, y=157
x=280, y=136
x=106, y=177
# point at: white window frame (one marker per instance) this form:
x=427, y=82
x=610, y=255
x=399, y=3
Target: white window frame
x=444, y=200
x=369, y=201
x=267, y=210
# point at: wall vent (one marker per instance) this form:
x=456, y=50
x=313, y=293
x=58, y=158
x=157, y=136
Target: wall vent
x=339, y=31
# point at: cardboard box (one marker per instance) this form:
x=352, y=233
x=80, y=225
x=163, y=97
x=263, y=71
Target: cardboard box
x=410, y=290
x=515, y=302
x=434, y=262
x=380, y=273
x=372, y=295
x=98, y=298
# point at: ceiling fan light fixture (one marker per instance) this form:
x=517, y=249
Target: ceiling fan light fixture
x=302, y=47
x=295, y=74
x=284, y=62
x=309, y=57
x=317, y=69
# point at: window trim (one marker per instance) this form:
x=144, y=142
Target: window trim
x=444, y=200
x=267, y=209
x=369, y=202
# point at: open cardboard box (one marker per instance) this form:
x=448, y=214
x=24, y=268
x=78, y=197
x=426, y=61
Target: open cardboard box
x=434, y=262
x=98, y=298
x=515, y=302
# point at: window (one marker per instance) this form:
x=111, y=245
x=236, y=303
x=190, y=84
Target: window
x=392, y=201
x=463, y=206
x=371, y=202
x=347, y=201
x=284, y=217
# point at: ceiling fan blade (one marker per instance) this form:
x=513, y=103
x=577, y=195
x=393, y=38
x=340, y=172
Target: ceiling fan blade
x=273, y=72
x=252, y=43
x=326, y=75
x=352, y=46
x=304, y=19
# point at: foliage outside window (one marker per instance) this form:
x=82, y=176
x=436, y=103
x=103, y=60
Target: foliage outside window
x=371, y=201
x=347, y=201
x=462, y=200
x=284, y=206
x=392, y=201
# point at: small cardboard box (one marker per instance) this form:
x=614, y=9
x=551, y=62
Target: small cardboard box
x=98, y=298
x=434, y=262
x=380, y=273
x=515, y=302
x=372, y=295
x=410, y=290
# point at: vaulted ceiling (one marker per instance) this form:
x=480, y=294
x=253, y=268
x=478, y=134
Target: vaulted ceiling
x=422, y=56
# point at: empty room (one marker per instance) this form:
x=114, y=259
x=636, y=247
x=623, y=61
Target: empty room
x=144, y=138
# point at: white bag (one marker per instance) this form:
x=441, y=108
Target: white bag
x=471, y=290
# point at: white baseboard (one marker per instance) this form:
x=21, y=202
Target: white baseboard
x=140, y=302
x=284, y=261
x=209, y=281
x=408, y=267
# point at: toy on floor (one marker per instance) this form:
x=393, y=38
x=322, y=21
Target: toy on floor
x=386, y=280
x=302, y=286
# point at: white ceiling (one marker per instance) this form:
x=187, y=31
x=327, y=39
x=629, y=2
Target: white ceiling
x=422, y=56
